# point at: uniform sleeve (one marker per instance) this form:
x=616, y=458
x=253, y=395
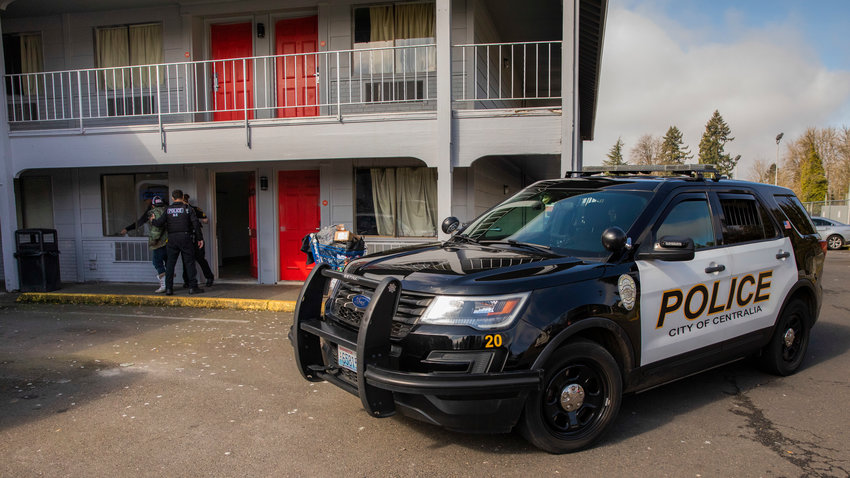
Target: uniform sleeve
x=196, y=225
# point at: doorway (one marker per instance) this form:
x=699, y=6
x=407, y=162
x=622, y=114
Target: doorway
x=236, y=225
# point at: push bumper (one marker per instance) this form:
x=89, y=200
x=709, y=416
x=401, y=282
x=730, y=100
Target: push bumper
x=471, y=402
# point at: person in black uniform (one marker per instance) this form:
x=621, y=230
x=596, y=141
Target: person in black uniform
x=183, y=231
x=200, y=251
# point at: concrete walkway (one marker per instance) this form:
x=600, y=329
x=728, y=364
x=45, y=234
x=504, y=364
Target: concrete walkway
x=222, y=295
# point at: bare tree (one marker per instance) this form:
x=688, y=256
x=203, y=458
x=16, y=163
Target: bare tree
x=762, y=171
x=646, y=151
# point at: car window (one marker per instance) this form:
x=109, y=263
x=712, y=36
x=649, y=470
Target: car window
x=689, y=218
x=569, y=221
x=744, y=219
x=796, y=213
x=820, y=222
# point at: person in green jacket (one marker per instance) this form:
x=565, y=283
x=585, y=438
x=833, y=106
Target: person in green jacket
x=157, y=238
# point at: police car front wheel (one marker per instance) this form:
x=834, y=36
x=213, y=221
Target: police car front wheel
x=582, y=391
x=787, y=347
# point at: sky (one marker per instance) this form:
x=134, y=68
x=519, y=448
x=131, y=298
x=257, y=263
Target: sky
x=768, y=67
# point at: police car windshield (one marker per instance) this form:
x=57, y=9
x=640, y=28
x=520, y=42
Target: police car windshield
x=570, y=222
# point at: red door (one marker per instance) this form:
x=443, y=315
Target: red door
x=298, y=197
x=297, y=92
x=231, y=79
x=252, y=223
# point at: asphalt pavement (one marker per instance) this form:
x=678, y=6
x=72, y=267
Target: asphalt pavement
x=104, y=390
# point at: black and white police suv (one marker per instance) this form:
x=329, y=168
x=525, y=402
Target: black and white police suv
x=542, y=312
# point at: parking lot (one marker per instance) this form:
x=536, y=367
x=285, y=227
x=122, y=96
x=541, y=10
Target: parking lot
x=149, y=391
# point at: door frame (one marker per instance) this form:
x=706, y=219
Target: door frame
x=213, y=257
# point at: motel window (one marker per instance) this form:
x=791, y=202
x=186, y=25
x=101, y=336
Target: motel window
x=23, y=54
x=128, y=45
x=407, y=26
x=396, y=202
x=125, y=198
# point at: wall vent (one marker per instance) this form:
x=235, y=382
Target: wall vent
x=132, y=252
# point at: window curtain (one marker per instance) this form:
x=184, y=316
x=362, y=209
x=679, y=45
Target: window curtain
x=415, y=24
x=381, y=19
x=416, y=20
x=113, y=50
x=32, y=61
x=145, y=49
x=417, y=201
x=384, y=199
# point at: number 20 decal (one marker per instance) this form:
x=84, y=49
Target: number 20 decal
x=491, y=341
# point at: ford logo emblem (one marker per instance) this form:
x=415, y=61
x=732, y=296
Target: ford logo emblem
x=361, y=301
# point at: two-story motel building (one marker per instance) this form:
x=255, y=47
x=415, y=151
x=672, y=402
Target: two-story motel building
x=282, y=116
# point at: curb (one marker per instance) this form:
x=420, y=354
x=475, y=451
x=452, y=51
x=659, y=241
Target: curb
x=153, y=300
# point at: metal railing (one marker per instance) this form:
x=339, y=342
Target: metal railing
x=329, y=83
x=519, y=74
x=294, y=85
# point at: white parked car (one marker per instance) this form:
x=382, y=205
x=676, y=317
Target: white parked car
x=837, y=234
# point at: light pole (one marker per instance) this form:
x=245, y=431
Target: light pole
x=776, y=164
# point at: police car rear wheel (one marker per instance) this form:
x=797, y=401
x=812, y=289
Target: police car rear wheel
x=785, y=352
x=835, y=242
x=580, y=399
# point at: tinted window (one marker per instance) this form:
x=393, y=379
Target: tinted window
x=744, y=219
x=820, y=222
x=795, y=212
x=690, y=218
x=570, y=221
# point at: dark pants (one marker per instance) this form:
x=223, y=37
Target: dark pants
x=180, y=244
x=200, y=258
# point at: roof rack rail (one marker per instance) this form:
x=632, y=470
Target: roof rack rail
x=693, y=170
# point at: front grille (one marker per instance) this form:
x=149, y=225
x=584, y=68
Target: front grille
x=410, y=307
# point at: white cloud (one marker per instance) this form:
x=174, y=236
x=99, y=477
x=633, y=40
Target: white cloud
x=656, y=73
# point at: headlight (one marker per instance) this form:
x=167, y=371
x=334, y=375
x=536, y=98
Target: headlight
x=483, y=313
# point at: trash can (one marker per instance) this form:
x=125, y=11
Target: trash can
x=37, y=251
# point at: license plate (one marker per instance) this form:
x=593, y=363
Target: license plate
x=347, y=358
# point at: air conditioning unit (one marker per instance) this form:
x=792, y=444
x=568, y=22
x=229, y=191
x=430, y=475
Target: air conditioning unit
x=393, y=90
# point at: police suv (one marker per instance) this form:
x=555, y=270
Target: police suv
x=542, y=312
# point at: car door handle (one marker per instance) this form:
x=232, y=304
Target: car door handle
x=783, y=255
x=717, y=268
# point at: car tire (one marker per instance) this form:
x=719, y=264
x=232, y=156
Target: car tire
x=790, y=340
x=834, y=242
x=581, y=395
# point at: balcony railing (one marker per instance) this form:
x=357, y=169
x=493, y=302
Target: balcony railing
x=331, y=83
x=510, y=75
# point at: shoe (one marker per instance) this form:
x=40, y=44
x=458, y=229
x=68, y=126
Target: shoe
x=169, y=291
x=161, y=289
x=185, y=285
x=209, y=282
x=196, y=290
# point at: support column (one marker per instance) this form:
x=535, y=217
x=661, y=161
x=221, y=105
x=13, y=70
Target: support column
x=445, y=161
x=8, y=213
x=570, y=137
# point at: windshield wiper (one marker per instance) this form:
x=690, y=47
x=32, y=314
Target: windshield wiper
x=464, y=238
x=526, y=245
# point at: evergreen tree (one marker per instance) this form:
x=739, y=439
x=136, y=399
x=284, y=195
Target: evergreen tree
x=615, y=155
x=673, y=150
x=717, y=134
x=813, y=177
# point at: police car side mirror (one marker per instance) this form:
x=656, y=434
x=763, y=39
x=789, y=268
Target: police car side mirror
x=614, y=239
x=450, y=224
x=671, y=248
